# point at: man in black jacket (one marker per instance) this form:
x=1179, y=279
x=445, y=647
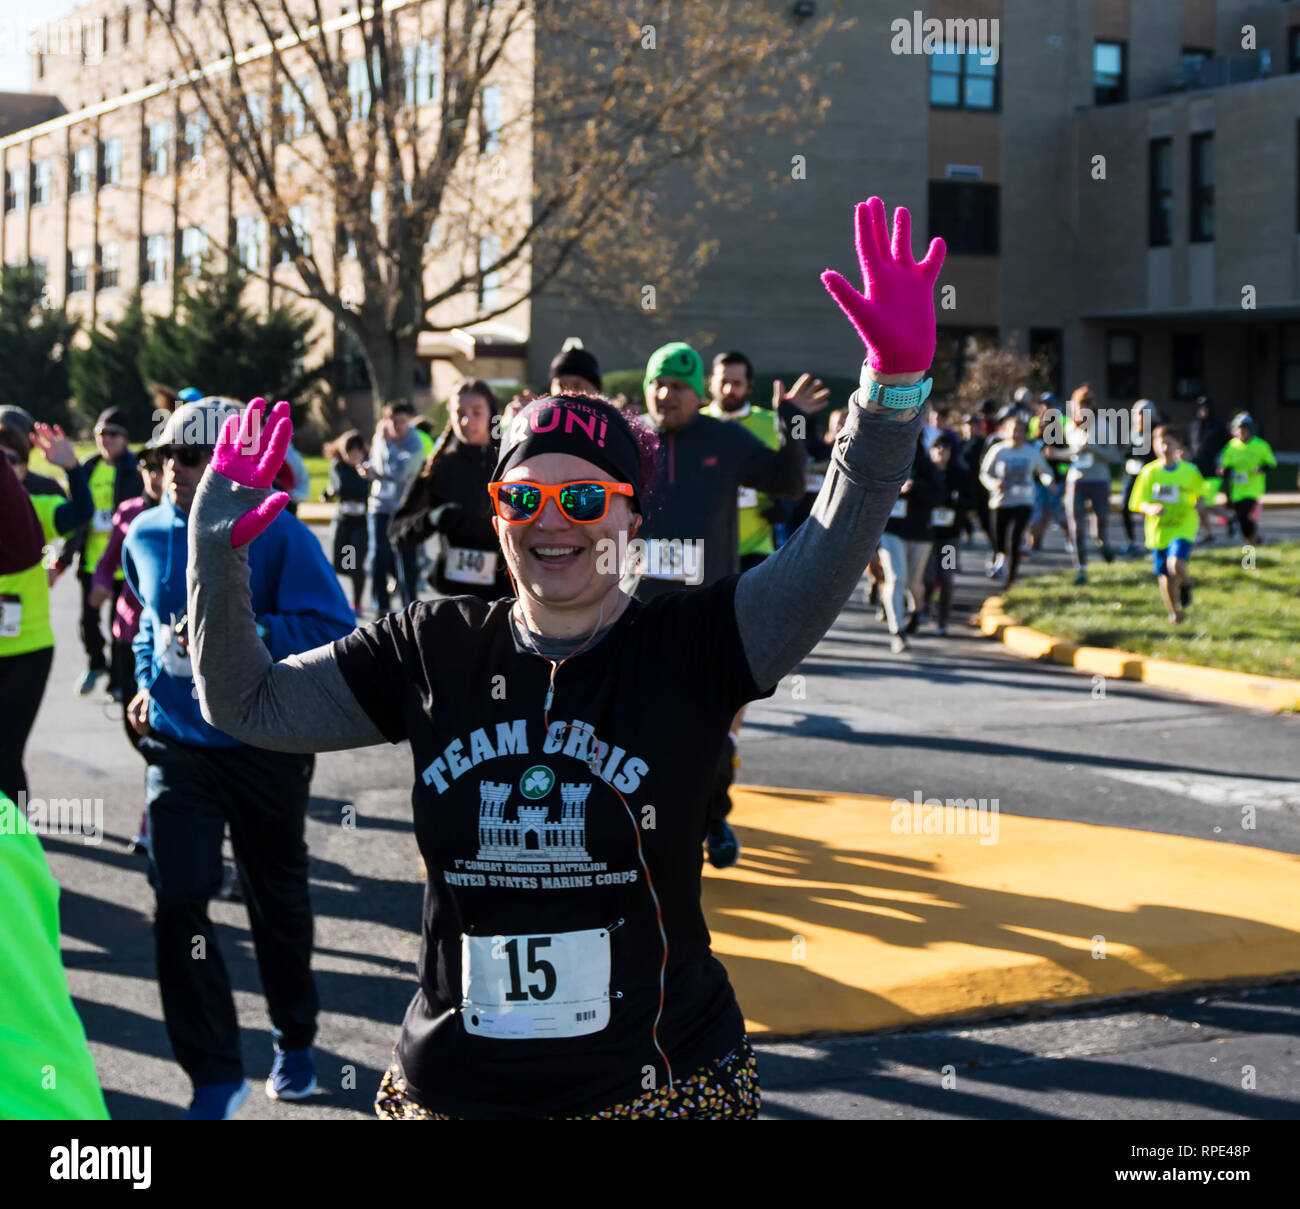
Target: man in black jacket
x=114, y=477
x=692, y=527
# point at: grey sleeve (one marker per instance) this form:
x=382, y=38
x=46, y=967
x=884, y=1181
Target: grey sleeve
x=300, y=704
x=785, y=605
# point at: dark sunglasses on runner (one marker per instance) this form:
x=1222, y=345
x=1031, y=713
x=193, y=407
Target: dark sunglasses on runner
x=583, y=502
x=186, y=455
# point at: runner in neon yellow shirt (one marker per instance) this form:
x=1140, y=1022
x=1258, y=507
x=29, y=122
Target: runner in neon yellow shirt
x=1242, y=463
x=46, y=1072
x=1168, y=492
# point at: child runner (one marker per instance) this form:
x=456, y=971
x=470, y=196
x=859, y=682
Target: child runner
x=565, y=967
x=1167, y=492
x=1242, y=463
x=349, y=534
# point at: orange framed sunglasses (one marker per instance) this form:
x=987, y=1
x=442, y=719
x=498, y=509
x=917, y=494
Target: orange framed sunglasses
x=583, y=501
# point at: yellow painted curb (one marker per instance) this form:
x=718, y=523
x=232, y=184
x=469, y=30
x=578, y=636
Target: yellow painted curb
x=1235, y=688
x=838, y=919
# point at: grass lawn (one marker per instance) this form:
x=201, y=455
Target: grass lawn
x=1245, y=620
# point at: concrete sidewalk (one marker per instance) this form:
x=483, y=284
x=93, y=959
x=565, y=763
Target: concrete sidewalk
x=844, y=915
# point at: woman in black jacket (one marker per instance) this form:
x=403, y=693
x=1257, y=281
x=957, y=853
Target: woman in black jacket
x=450, y=497
x=905, y=547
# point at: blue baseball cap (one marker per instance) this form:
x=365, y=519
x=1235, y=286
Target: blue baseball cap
x=188, y=395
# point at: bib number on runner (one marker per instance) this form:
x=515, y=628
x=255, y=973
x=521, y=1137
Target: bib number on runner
x=747, y=497
x=1241, y=477
x=11, y=616
x=898, y=511
x=813, y=482
x=1165, y=493
x=102, y=521
x=470, y=566
x=520, y=987
x=943, y=517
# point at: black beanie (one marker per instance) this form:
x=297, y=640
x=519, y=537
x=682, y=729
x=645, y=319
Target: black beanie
x=111, y=417
x=578, y=362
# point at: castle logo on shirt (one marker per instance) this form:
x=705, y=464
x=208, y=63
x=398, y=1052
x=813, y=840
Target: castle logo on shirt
x=530, y=833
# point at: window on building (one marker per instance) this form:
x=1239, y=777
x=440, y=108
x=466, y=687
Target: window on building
x=83, y=170
x=1193, y=59
x=126, y=26
x=15, y=189
x=38, y=269
x=110, y=162
x=1046, y=345
x=79, y=263
x=1123, y=380
x=490, y=119
x=489, y=293
x=156, y=259
x=1202, y=197
x=965, y=213
x=300, y=225
x=294, y=108
x=954, y=348
x=252, y=116
x=961, y=81
x=1160, y=193
x=158, y=146
x=250, y=235
x=110, y=265
x=1293, y=49
x=421, y=64
x=193, y=136
x=358, y=90
x=1110, y=72
x=194, y=246
x=1189, y=365
x=1290, y=362
x=42, y=182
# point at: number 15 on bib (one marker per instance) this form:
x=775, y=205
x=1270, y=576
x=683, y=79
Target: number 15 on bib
x=518, y=987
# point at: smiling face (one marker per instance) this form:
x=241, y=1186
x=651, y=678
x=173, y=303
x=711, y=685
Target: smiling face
x=554, y=560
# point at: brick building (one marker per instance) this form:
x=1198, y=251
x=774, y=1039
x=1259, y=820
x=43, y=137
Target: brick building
x=1120, y=189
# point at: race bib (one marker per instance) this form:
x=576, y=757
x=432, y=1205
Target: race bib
x=352, y=508
x=1165, y=493
x=747, y=497
x=1021, y=490
x=470, y=566
x=943, y=517
x=1134, y=466
x=102, y=521
x=1083, y=461
x=667, y=560
x=898, y=511
x=1241, y=477
x=520, y=987
x=813, y=482
x=11, y=616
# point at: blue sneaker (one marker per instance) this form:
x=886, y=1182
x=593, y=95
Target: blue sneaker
x=724, y=848
x=86, y=685
x=293, y=1076
x=217, y=1101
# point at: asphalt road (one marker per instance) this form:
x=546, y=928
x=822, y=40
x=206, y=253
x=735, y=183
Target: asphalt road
x=955, y=717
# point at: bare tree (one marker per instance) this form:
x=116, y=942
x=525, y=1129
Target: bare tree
x=995, y=371
x=471, y=154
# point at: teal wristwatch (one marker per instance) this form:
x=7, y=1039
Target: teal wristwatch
x=900, y=398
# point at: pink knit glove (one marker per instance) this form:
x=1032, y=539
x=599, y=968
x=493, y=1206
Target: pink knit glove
x=236, y=457
x=895, y=318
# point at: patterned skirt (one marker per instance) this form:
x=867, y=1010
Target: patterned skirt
x=726, y=1090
